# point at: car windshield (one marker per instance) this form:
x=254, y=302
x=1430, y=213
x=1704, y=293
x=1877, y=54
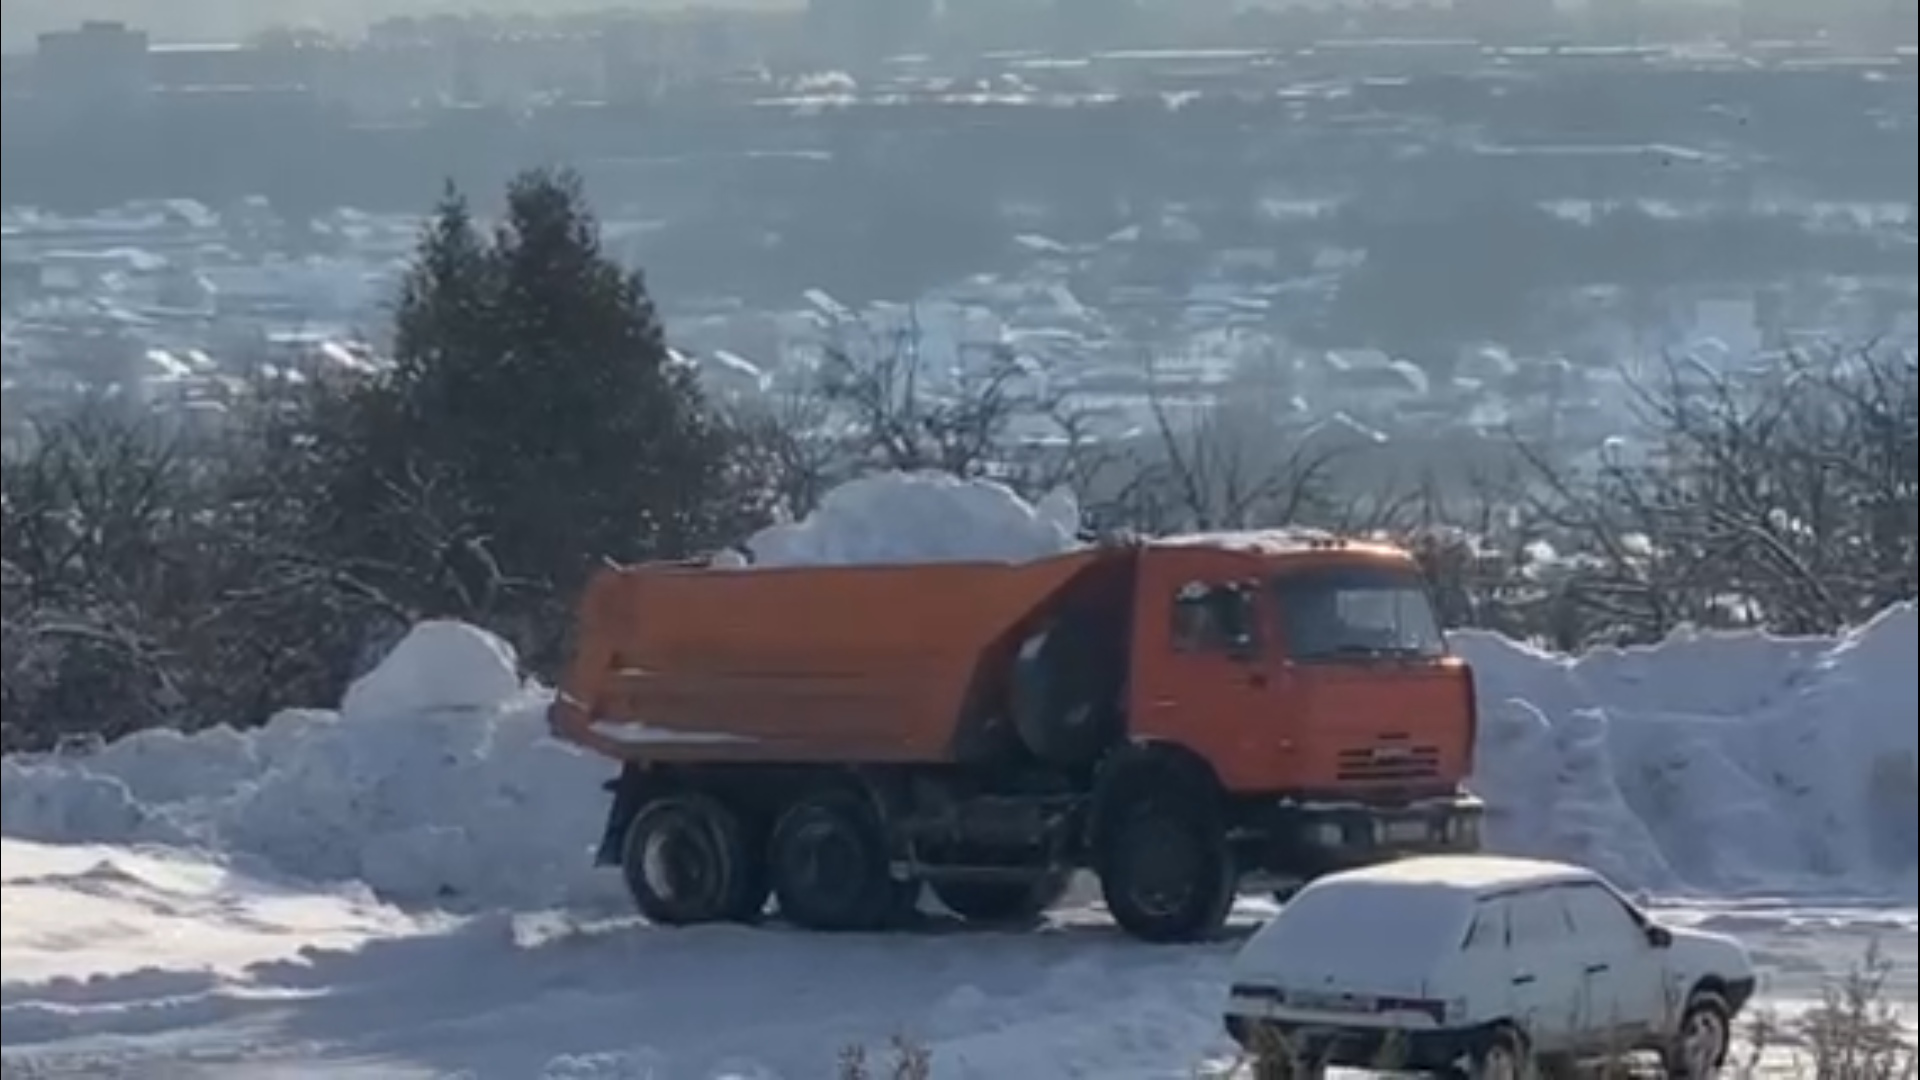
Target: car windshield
x=1357, y=612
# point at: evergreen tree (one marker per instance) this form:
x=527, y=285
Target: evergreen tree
x=535, y=421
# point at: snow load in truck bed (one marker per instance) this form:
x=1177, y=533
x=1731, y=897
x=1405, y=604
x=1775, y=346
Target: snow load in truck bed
x=917, y=518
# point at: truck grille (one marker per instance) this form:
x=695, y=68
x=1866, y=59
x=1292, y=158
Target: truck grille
x=1393, y=761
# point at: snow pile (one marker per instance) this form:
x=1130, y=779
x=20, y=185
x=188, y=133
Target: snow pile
x=1720, y=762
x=435, y=783
x=921, y=517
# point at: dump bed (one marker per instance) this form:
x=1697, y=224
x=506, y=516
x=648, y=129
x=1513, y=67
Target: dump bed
x=799, y=664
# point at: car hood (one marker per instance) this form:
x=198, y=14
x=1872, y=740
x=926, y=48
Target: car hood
x=1697, y=953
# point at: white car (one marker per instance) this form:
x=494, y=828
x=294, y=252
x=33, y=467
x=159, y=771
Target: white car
x=1480, y=966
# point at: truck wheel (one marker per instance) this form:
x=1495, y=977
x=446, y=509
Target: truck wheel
x=686, y=861
x=829, y=864
x=1002, y=902
x=1166, y=873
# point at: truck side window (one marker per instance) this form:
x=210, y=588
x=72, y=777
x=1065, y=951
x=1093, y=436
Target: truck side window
x=1211, y=619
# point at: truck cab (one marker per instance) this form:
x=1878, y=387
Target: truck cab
x=1313, y=676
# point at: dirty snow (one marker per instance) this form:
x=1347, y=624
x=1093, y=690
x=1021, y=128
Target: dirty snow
x=400, y=887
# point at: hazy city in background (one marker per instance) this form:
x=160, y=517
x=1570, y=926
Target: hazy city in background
x=1415, y=222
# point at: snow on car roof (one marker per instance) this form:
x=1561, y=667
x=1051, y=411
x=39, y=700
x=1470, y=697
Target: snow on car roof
x=1472, y=874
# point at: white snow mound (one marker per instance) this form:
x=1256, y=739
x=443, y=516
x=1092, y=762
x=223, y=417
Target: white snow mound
x=1709, y=761
x=1729, y=762
x=441, y=666
x=436, y=783
x=899, y=517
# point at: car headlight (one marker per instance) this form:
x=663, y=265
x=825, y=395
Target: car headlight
x=1328, y=834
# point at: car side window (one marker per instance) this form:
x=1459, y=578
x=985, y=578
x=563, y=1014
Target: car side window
x=1538, y=919
x=1599, y=914
x=1489, y=929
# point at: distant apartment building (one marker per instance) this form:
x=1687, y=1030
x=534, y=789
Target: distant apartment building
x=99, y=66
x=1616, y=22
x=1507, y=20
x=867, y=27
x=16, y=75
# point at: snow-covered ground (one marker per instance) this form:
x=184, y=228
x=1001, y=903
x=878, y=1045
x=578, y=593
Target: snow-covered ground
x=401, y=887
x=128, y=963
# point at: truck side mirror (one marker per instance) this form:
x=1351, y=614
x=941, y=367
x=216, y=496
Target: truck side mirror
x=1659, y=936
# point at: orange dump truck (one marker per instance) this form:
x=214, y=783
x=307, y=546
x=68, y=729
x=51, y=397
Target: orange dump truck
x=1186, y=718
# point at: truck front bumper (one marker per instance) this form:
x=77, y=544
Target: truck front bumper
x=1298, y=839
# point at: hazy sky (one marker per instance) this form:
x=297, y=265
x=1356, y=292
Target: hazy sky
x=20, y=20
x=177, y=20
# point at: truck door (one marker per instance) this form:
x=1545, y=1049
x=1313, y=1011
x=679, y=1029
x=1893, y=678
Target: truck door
x=1213, y=689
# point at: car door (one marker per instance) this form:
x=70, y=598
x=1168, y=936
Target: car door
x=1623, y=970
x=1549, y=985
x=1483, y=972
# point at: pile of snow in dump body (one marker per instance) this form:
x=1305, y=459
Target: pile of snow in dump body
x=920, y=517
x=1710, y=762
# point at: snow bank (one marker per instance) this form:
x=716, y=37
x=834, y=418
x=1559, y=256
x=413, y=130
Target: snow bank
x=921, y=517
x=1721, y=762
x=1709, y=762
x=435, y=783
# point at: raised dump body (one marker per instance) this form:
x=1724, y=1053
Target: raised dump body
x=849, y=664
x=1183, y=717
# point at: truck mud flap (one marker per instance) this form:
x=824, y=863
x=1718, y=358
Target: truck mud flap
x=626, y=791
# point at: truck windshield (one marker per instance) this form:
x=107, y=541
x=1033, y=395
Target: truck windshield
x=1357, y=612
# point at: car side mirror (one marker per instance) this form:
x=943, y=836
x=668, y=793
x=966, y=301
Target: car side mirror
x=1659, y=936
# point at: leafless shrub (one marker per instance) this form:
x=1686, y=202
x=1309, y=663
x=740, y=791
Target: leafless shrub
x=1782, y=497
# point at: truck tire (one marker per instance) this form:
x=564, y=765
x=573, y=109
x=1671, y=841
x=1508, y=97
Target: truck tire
x=1063, y=695
x=830, y=866
x=686, y=860
x=1166, y=870
x=1002, y=902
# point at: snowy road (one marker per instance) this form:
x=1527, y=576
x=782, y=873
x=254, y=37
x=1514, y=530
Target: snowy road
x=157, y=965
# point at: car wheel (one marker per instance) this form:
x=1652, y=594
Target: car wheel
x=1504, y=1056
x=1700, y=1047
